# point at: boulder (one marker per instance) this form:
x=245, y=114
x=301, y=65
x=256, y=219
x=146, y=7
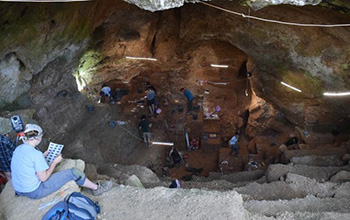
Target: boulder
x=121, y=173
x=321, y=161
x=340, y=177
x=343, y=191
x=125, y=202
x=275, y=171
x=134, y=181
x=5, y=125
x=310, y=186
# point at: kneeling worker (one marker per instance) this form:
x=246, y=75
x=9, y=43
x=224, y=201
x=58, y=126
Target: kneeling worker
x=32, y=177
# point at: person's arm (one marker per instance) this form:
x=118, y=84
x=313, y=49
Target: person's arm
x=44, y=175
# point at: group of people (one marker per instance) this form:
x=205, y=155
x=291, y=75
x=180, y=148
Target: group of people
x=31, y=175
x=144, y=124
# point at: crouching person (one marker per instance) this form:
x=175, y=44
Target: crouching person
x=32, y=177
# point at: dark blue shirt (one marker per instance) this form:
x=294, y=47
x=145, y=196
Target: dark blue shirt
x=188, y=94
x=6, y=150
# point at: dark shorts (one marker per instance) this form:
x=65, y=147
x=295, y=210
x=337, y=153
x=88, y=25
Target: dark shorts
x=150, y=102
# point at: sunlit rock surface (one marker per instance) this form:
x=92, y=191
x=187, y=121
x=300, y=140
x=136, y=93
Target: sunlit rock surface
x=258, y=4
x=159, y=5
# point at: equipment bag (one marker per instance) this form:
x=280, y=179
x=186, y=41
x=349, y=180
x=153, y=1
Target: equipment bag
x=76, y=206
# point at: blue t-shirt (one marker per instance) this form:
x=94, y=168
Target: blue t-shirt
x=26, y=161
x=188, y=95
x=234, y=140
x=151, y=95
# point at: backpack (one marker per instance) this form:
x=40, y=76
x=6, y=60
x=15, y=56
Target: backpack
x=76, y=206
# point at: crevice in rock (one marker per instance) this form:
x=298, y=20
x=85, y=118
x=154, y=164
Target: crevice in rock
x=153, y=44
x=24, y=11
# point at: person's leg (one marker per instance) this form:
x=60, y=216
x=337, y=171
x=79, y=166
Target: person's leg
x=232, y=150
x=150, y=109
x=55, y=182
x=149, y=137
x=237, y=150
x=189, y=105
x=90, y=185
x=97, y=189
x=145, y=138
x=153, y=109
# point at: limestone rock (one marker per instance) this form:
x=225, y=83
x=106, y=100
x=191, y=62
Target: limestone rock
x=69, y=163
x=121, y=173
x=5, y=125
x=12, y=74
x=134, y=181
x=164, y=203
x=157, y=5
x=92, y=174
x=343, y=191
x=259, y=4
x=314, y=160
x=275, y=171
x=341, y=176
x=310, y=186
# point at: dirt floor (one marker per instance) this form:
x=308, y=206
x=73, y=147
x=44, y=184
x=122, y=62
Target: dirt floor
x=172, y=123
x=227, y=88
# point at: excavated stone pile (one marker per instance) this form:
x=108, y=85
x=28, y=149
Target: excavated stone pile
x=290, y=191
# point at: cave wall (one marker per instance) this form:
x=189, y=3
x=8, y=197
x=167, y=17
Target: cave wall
x=42, y=39
x=40, y=48
x=312, y=59
x=33, y=35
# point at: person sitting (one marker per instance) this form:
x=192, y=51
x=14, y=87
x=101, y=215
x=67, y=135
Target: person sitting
x=234, y=144
x=34, y=178
x=6, y=150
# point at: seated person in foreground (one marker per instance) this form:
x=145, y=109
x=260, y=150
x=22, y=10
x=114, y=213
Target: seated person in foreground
x=32, y=177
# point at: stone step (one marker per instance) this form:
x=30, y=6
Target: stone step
x=276, y=171
x=294, y=186
x=336, y=151
x=309, y=206
x=321, y=161
x=301, y=216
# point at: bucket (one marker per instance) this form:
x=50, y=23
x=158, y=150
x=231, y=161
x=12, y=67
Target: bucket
x=90, y=108
x=112, y=124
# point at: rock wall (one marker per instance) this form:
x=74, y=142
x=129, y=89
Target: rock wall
x=42, y=47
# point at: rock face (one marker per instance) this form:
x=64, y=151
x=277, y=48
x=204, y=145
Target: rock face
x=163, y=203
x=175, y=37
x=259, y=4
x=157, y=5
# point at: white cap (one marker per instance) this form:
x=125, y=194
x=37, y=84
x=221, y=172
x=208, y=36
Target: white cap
x=34, y=127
